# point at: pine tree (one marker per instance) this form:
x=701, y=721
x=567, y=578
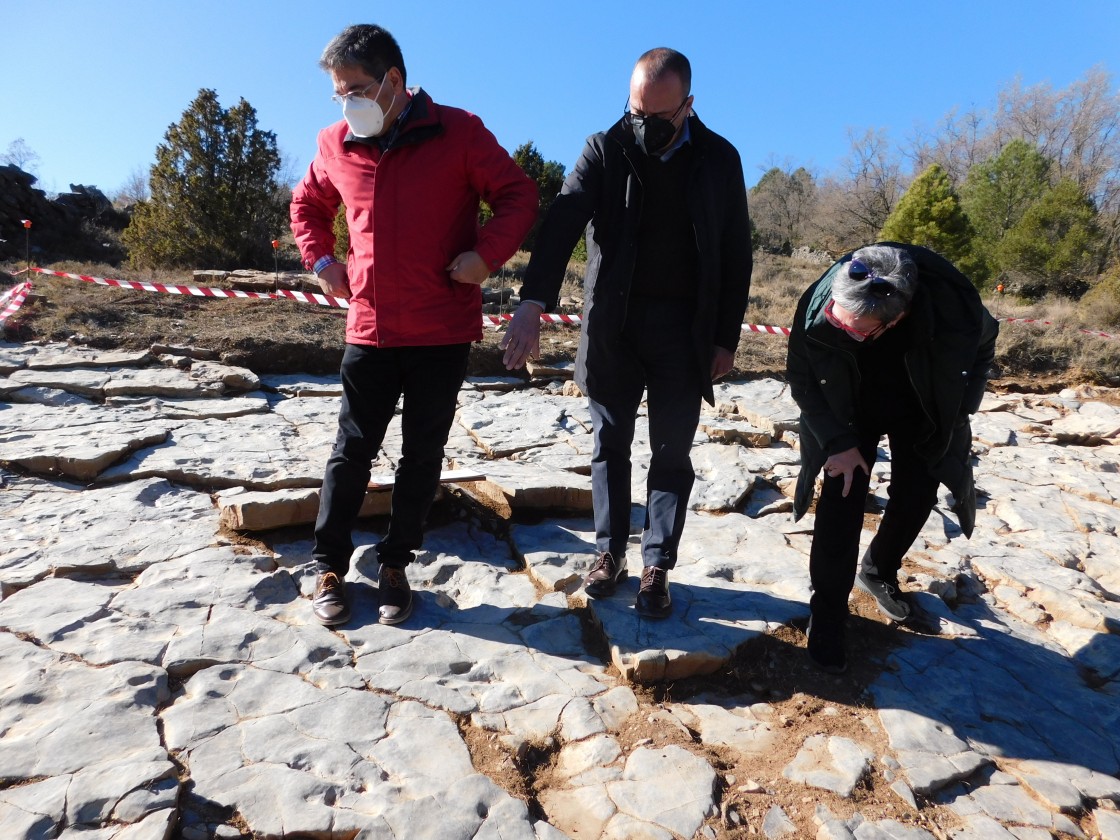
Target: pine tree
x=549, y=176
x=1055, y=245
x=215, y=200
x=997, y=193
x=930, y=214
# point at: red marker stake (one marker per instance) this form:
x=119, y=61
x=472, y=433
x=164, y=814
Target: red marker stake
x=27, y=243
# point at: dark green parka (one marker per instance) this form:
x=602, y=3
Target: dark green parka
x=947, y=367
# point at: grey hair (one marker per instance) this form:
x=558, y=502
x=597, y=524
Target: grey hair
x=367, y=46
x=886, y=263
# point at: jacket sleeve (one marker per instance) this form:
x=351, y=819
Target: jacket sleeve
x=566, y=220
x=817, y=417
x=985, y=356
x=511, y=194
x=736, y=258
x=315, y=201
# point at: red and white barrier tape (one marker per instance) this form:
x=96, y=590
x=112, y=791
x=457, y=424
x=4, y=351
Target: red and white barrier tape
x=13, y=299
x=342, y=303
x=197, y=291
x=765, y=329
x=495, y=320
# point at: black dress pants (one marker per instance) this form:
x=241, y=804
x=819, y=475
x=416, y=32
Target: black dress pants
x=653, y=353
x=912, y=493
x=373, y=380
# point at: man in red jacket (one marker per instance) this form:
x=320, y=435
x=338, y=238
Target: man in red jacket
x=410, y=174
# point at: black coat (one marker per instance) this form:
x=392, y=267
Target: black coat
x=603, y=194
x=954, y=345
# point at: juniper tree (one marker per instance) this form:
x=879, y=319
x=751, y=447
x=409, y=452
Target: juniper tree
x=549, y=176
x=215, y=199
x=1054, y=248
x=930, y=214
x=1000, y=190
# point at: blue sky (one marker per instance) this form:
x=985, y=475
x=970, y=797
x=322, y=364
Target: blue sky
x=92, y=86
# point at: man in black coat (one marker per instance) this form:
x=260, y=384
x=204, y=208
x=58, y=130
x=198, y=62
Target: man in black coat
x=668, y=274
x=892, y=340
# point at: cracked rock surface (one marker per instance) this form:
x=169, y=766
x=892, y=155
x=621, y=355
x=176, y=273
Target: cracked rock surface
x=161, y=675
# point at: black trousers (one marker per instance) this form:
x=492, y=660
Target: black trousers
x=654, y=353
x=912, y=493
x=373, y=380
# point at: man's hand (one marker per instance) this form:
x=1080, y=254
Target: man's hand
x=845, y=463
x=722, y=362
x=334, y=282
x=523, y=336
x=468, y=267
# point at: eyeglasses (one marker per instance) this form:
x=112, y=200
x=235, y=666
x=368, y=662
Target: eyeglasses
x=630, y=118
x=341, y=98
x=852, y=332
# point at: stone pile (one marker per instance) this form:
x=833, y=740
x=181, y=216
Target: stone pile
x=161, y=675
x=57, y=222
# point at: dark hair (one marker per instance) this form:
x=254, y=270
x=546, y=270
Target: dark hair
x=367, y=46
x=662, y=60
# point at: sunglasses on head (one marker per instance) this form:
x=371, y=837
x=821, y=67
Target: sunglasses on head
x=880, y=287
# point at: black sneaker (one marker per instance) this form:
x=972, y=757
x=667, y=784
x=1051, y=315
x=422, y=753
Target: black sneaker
x=653, y=596
x=883, y=590
x=826, y=647
x=605, y=576
x=394, y=595
x=330, y=605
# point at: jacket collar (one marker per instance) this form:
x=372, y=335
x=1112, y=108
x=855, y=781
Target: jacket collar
x=624, y=136
x=419, y=121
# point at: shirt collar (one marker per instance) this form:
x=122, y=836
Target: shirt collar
x=685, y=137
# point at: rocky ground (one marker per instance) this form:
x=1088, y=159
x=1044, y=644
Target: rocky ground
x=161, y=675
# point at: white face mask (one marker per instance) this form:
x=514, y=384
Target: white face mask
x=363, y=115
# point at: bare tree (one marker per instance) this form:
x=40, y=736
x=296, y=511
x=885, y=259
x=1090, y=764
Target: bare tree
x=959, y=142
x=135, y=188
x=782, y=202
x=21, y=156
x=1077, y=127
x=852, y=207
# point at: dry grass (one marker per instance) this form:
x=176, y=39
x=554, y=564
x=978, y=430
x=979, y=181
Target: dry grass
x=274, y=336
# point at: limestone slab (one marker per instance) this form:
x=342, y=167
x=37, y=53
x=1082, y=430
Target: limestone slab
x=57, y=529
x=831, y=763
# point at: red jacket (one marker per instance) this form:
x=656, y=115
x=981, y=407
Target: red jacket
x=411, y=209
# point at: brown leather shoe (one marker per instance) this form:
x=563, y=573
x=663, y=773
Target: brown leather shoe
x=330, y=605
x=394, y=595
x=653, y=596
x=605, y=576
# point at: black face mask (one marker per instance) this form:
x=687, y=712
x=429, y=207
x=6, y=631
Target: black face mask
x=652, y=133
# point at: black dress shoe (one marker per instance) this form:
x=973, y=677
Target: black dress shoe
x=394, y=595
x=653, y=596
x=605, y=576
x=826, y=646
x=330, y=605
